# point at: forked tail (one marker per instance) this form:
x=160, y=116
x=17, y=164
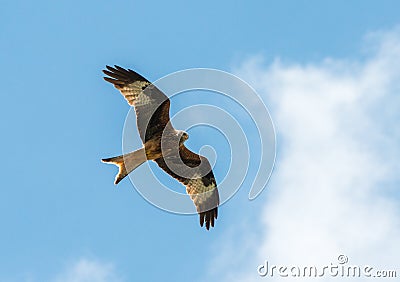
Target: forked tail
x=127, y=163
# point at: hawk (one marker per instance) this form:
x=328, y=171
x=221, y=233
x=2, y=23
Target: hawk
x=163, y=144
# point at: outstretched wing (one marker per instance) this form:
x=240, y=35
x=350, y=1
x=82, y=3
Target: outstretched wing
x=195, y=172
x=151, y=104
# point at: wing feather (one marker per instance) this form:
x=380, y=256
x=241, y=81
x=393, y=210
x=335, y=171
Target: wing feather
x=200, y=184
x=151, y=104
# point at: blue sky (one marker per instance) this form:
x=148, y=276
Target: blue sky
x=59, y=208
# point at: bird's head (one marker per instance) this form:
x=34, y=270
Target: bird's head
x=183, y=137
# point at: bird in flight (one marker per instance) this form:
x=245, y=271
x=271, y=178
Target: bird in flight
x=163, y=144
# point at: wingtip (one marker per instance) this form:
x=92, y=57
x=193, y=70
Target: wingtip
x=109, y=68
x=119, y=68
x=201, y=219
x=208, y=218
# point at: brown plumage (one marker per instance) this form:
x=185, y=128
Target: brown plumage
x=153, y=122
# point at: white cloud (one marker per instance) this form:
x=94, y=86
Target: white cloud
x=335, y=185
x=86, y=270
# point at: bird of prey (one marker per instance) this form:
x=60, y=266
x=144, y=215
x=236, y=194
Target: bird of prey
x=163, y=144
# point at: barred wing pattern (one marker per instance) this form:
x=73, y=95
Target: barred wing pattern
x=151, y=105
x=201, y=185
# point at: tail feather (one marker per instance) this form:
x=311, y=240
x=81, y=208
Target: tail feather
x=127, y=163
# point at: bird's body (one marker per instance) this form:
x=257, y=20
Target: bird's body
x=153, y=147
x=163, y=144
